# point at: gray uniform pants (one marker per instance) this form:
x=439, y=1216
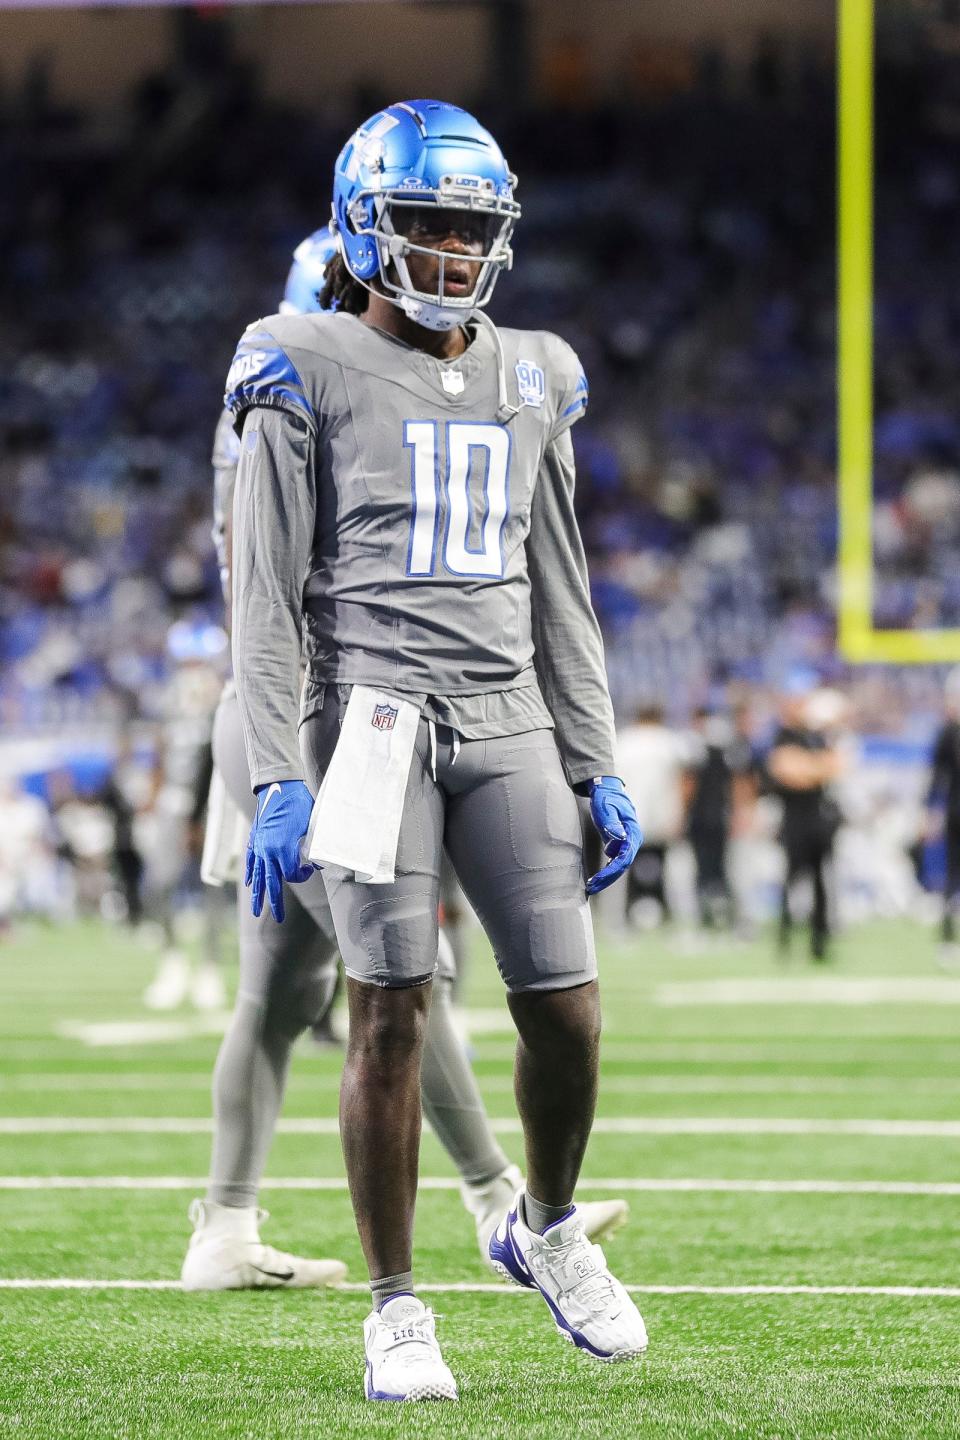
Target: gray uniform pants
x=510, y=824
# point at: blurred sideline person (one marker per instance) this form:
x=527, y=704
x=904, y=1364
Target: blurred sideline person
x=708, y=797
x=651, y=760
x=746, y=847
x=127, y=861
x=717, y=787
x=944, y=790
x=288, y=975
x=801, y=765
x=29, y=873
x=433, y=651
x=174, y=898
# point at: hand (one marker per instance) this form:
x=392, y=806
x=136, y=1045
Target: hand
x=273, y=851
x=612, y=812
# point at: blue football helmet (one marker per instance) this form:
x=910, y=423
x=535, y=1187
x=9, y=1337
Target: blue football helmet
x=308, y=273
x=415, y=156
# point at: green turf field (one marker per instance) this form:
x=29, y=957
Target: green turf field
x=771, y=1301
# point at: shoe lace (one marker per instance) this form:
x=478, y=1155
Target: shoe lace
x=584, y=1274
x=415, y=1337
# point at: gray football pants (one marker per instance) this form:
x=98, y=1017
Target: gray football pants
x=510, y=824
x=287, y=978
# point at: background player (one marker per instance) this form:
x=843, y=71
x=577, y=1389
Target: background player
x=287, y=977
x=360, y=437
x=945, y=790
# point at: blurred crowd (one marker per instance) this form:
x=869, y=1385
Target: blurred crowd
x=683, y=243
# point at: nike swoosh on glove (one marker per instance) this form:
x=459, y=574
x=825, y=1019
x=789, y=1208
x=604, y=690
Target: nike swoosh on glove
x=273, y=851
x=612, y=812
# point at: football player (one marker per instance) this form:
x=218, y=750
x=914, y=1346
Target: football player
x=404, y=512
x=287, y=979
x=944, y=789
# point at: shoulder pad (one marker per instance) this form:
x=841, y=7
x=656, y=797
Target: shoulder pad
x=262, y=373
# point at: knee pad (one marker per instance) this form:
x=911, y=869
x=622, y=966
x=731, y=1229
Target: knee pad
x=391, y=940
x=550, y=947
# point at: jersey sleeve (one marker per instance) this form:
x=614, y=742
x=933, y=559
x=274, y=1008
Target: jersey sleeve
x=226, y=455
x=274, y=509
x=568, y=649
x=263, y=375
x=572, y=390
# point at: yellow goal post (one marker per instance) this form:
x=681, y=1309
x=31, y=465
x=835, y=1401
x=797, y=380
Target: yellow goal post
x=858, y=640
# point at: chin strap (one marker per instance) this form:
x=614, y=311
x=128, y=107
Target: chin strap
x=505, y=411
x=431, y=317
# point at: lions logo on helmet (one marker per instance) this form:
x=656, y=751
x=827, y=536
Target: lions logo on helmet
x=308, y=273
x=412, y=155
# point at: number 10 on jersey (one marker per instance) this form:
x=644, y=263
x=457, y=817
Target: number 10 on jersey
x=475, y=486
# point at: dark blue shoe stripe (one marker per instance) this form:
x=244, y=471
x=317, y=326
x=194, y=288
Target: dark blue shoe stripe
x=507, y=1254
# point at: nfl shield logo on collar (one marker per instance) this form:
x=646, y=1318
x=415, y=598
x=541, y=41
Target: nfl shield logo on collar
x=384, y=717
x=453, y=381
x=530, y=383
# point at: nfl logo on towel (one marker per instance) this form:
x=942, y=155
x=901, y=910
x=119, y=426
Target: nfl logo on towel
x=384, y=717
x=530, y=383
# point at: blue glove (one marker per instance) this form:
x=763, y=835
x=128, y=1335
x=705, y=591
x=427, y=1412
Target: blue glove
x=614, y=816
x=273, y=851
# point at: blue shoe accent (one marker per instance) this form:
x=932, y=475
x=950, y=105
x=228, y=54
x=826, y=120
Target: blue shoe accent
x=397, y=1295
x=505, y=1255
x=369, y=1391
x=563, y=1218
x=579, y=1339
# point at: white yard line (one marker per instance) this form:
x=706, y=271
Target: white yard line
x=143, y=1032
x=104, y=1033
x=711, y=1083
x=618, y=1185
x=906, y=1292
x=28, y=1081
x=703, y=1083
x=620, y=1125
x=819, y=990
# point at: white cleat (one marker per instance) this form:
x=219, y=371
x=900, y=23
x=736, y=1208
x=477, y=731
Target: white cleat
x=170, y=986
x=948, y=956
x=601, y=1218
x=590, y=1307
x=489, y=1203
x=403, y=1357
x=207, y=990
x=226, y=1253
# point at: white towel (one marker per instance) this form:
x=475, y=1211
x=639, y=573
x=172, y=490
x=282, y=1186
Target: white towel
x=225, y=837
x=356, y=818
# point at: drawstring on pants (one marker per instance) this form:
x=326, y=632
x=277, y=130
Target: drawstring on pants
x=432, y=732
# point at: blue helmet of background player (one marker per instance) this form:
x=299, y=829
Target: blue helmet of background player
x=412, y=155
x=308, y=273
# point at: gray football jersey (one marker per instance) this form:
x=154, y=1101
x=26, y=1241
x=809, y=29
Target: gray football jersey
x=431, y=505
